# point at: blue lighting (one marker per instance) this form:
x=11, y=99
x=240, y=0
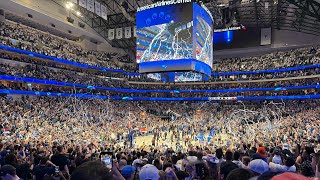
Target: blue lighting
x=228, y=36
x=64, y=61
x=133, y=98
x=90, y=87
x=222, y=37
x=217, y=37
x=57, y=83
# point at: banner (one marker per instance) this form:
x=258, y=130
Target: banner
x=222, y=98
x=127, y=32
x=83, y=3
x=134, y=31
x=75, y=1
x=104, y=12
x=97, y=8
x=119, y=33
x=265, y=36
x=90, y=5
x=111, y=34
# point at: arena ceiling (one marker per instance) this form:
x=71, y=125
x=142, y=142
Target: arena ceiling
x=295, y=15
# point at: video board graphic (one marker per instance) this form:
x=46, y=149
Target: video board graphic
x=165, y=42
x=204, y=45
x=187, y=76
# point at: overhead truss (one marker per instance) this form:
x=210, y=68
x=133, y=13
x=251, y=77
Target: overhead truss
x=299, y=15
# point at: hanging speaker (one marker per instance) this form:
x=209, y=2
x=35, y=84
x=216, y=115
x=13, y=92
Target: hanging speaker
x=70, y=20
x=82, y=25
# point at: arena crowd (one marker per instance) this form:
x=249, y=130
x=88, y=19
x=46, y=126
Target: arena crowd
x=82, y=139
x=200, y=140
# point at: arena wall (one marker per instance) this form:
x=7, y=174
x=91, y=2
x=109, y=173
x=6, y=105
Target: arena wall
x=283, y=38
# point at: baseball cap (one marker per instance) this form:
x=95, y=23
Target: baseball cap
x=127, y=171
x=262, y=152
x=289, y=176
x=211, y=158
x=285, y=146
x=149, y=172
x=192, y=159
x=136, y=161
x=258, y=166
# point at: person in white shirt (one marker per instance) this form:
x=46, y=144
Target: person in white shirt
x=277, y=157
x=288, y=167
x=236, y=157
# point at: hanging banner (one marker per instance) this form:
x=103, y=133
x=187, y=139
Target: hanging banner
x=119, y=33
x=134, y=31
x=111, y=34
x=103, y=12
x=97, y=8
x=127, y=32
x=83, y=3
x=265, y=36
x=75, y=1
x=90, y=5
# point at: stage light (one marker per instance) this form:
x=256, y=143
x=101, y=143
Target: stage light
x=68, y=6
x=228, y=36
x=71, y=4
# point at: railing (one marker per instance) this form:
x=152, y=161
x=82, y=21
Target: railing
x=59, y=60
x=124, y=90
x=133, y=98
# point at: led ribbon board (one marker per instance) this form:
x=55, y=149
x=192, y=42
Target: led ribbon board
x=174, y=36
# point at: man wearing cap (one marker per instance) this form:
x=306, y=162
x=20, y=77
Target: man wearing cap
x=285, y=149
x=258, y=166
x=128, y=172
x=149, y=172
x=263, y=153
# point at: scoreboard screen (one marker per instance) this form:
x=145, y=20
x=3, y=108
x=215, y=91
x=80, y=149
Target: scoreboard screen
x=174, y=37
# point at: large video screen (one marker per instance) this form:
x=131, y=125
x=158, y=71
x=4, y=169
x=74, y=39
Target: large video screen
x=176, y=37
x=165, y=33
x=204, y=35
x=164, y=42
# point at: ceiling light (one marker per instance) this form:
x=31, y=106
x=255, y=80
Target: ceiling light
x=71, y=4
